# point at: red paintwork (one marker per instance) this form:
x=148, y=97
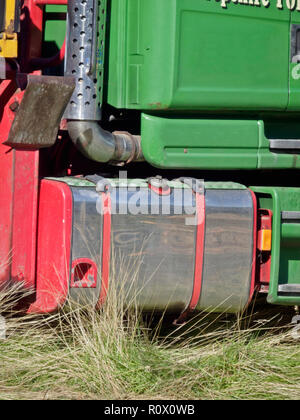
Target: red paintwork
x=160, y=191
x=199, y=257
x=106, y=248
x=31, y=33
x=84, y=274
x=54, y=246
x=263, y=272
x=18, y=195
x=41, y=63
x=19, y=170
x=200, y=202
x=9, y=94
x=7, y=89
x=253, y=286
x=55, y=2
x=24, y=226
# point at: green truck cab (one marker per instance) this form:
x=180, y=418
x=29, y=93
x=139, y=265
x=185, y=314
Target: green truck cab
x=224, y=71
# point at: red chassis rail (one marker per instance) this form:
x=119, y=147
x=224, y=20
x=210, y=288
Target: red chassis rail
x=19, y=169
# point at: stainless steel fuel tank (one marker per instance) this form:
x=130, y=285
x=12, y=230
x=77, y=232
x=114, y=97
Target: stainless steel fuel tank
x=153, y=245
x=161, y=246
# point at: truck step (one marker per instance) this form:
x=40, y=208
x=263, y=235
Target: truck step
x=285, y=144
x=289, y=288
x=290, y=216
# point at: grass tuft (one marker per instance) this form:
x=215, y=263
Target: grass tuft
x=115, y=354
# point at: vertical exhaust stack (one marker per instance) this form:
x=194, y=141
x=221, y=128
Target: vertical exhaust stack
x=85, y=62
x=84, y=38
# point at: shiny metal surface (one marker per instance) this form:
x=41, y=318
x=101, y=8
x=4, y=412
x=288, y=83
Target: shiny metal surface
x=102, y=146
x=285, y=144
x=152, y=262
x=154, y=255
x=289, y=288
x=228, y=251
x=2, y=68
x=85, y=61
x=85, y=57
x=290, y=216
x=86, y=239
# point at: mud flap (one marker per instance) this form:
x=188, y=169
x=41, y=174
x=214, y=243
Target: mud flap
x=39, y=115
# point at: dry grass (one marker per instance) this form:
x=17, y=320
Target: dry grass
x=82, y=354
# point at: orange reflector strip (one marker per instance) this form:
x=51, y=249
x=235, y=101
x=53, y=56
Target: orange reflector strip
x=264, y=240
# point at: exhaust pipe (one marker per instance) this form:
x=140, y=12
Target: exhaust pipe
x=85, y=62
x=103, y=146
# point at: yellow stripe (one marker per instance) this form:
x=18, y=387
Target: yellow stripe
x=9, y=39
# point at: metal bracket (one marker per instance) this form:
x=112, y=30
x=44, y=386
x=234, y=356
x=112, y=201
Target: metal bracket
x=285, y=144
x=158, y=182
x=289, y=288
x=290, y=216
x=197, y=185
x=102, y=184
x=2, y=68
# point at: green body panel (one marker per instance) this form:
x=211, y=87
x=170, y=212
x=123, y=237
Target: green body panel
x=191, y=143
x=195, y=55
x=285, y=265
x=54, y=29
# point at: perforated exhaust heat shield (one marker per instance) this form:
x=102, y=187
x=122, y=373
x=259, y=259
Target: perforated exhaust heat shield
x=85, y=57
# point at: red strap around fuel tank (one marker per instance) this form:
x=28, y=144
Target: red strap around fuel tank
x=199, y=257
x=106, y=248
x=200, y=200
x=253, y=284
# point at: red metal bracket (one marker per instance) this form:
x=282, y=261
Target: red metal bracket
x=253, y=274
x=160, y=191
x=199, y=257
x=51, y=2
x=263, y=272
x=106, y=248
x=84, y=274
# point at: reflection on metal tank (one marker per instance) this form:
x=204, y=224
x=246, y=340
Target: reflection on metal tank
x=87, y=229
x=228, y=253
x=154, y=255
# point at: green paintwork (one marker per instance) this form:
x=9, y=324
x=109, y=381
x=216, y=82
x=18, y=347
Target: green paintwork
x=285, y=265
x=193, y=143
x=196, y=55
x=190, y=143
x=55, y=29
